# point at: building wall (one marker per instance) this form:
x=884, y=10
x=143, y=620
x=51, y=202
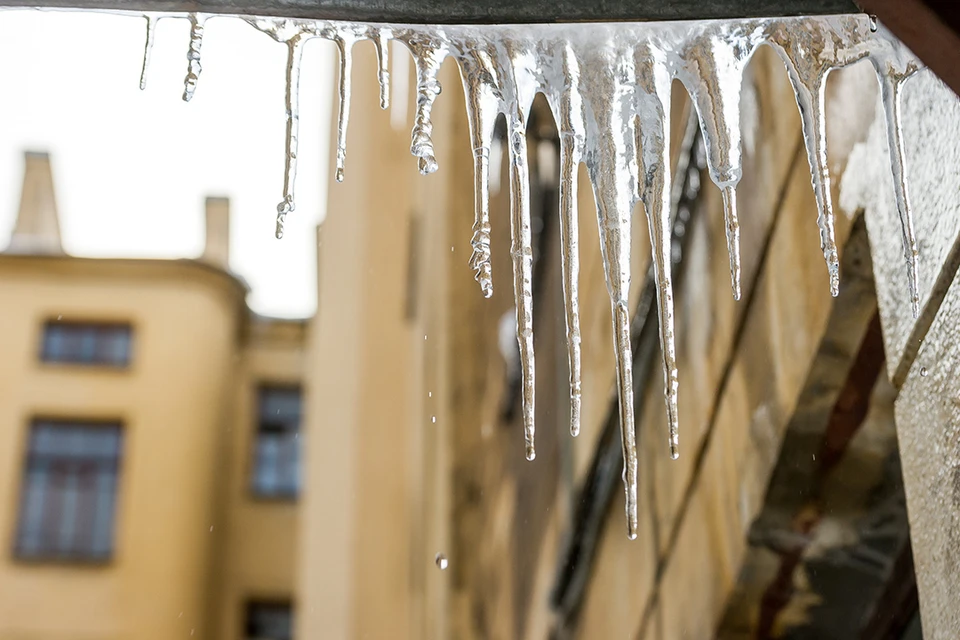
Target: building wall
x=171, y=400
x=260, y=539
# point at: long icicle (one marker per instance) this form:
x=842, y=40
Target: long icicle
x=571, y=141
x=807, y=68
x=482, y=101
x=382, y=42
x=292, y=107
x=193, y=55
x=522, y=252
x=657, y=203
x=343, y=119
x=890, y=85
x=147, y=49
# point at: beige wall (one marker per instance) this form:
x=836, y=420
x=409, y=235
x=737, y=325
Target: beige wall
x=171, y=401
x=260, y=540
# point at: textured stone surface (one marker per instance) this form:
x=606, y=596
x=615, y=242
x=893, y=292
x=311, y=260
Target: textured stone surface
x=931, y=133
x=928, y=425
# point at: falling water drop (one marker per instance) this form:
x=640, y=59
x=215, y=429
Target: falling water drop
x=193, y=55
x=923, y=372
x=873, y=23
x=147, y=49
x=441, y=561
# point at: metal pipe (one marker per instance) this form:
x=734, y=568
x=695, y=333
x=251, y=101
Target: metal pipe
x=468, y=11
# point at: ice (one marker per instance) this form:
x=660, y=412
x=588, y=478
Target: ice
x=608, y=87
x=147, y=48
x=193, y=55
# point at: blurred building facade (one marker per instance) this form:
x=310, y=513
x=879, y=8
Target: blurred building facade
x=150, y=429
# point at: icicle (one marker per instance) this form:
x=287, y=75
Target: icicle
x=654, y=110
x=346, y=67
x=428, y=55
x=399, y=85
x=572, y=134
x=890, y=93
x=611, y=158
x=193, y=55
x=711, y=68
x=808, y=57
x=483, y=99
x=292, y=106
x=383, y=66
x=147, y=49
x=522, y=251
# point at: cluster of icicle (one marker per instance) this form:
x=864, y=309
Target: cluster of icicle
x=608, y=86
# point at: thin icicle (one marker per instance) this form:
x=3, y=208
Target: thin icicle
x=292, y=107
x=382, y=41
x=808, y=58
x=711, y=67
x=890, y=93
x=522, y=252
x=608, y=77
x=147, y=49
x=193, y=55
x=572, y=134
x=654, y=109
x=427, y=55
x=483, y=99
x=345, y=48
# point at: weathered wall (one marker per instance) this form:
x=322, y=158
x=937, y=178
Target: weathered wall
x=922, y=353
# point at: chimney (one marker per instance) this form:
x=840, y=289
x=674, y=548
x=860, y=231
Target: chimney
x=37, y=229
x=217, y=248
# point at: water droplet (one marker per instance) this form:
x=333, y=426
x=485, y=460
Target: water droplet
x=433, y=419
x=873, y=24
x=923, y=372
x=429, y=394
x=441, y=561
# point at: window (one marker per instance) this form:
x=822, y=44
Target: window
x=276, y=472
x=68, y=497
x=86, y=343
x=269, y=621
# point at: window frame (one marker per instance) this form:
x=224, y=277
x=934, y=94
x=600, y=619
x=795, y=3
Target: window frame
x=49, y=556
x=254, y=489
x=99, y=328
x=272, y=601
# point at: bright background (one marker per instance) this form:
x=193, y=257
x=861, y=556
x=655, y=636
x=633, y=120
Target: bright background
x=132, y=168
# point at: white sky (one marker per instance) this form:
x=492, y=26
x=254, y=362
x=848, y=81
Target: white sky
x=132, y=168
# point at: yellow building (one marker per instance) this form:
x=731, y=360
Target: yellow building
x=149, y=429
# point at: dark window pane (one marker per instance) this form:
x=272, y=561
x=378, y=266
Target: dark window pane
x=68, y=497
x=86, y=343
x=276, y=465
x=269, y=621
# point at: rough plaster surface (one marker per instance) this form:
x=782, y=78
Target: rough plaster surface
x=931, y=132
x=928, y=427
